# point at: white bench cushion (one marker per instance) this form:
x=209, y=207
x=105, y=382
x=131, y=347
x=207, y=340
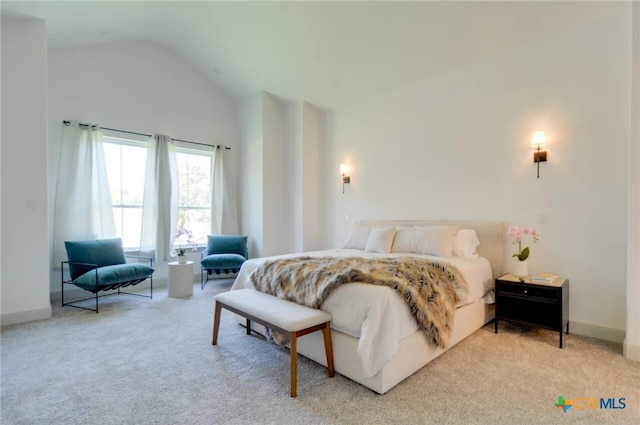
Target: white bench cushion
x=285, y=314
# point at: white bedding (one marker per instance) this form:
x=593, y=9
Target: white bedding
x=376, y=314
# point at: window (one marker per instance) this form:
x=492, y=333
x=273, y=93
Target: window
x=194, y=196
x=125, y=161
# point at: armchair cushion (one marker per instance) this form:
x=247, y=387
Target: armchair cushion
x=222, y=261
x=114, y=274
x=103, y=252
x=227, y=244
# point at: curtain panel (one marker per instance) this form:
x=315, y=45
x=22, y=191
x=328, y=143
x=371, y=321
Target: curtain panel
x=83, y=199
x=224, y=219
x=160, y=204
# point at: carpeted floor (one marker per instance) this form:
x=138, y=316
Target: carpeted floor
x=152, y=362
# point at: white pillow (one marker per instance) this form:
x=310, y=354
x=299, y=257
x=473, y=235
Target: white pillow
x=358, y=237
x=380, y=240
x=437, y=240
x=466, y=243
x=407, y=239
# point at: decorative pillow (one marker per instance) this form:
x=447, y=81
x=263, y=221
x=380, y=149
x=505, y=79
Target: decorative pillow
x=381, y=240
x=222, y=261
x=466, y=244
x=101, y=252
x=227, y=244
x=358, y=237
x=407, y=239
x=436, y=240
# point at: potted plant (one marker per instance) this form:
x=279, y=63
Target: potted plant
x=182, y=255
x=181, y=252
x=517, y=233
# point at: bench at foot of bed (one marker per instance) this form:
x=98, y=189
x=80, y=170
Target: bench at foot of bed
x=278, y=315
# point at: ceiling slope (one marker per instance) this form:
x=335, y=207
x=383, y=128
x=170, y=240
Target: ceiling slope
x=327, y=53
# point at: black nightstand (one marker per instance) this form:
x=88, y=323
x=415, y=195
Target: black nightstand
x=545, y=305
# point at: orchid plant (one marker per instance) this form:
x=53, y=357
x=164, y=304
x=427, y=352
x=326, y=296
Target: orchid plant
x=518, y=233
x=189, y=239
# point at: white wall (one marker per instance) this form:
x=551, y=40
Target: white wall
x=632, y=337
x=295, y=170
x=311, y=166
x=251, y=151
x=458, y=147
x=303, y=156
x=140, y=87
x=266, y=214
x=24, y=278
x=281, y=174
x=276, y=215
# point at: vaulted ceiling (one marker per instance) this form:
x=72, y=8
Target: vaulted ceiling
x=327, y=53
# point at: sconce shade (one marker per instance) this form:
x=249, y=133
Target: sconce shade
x=538, y=139
x=343, y=169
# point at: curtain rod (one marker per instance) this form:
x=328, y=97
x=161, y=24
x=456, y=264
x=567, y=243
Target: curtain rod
x=66, y=122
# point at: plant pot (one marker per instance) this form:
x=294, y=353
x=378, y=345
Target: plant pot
x=182, y=259
x=521, y=269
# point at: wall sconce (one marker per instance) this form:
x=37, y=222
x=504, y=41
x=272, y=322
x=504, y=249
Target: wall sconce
x=537, y=141
x=345, y=179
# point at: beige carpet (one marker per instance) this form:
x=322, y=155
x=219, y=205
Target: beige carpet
x=151, y=362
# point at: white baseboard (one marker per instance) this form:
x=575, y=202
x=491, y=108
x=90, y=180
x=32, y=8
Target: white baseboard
x=631, y=352
x=25, y=316
x=599, y=332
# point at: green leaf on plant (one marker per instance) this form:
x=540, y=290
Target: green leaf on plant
x=524, y=254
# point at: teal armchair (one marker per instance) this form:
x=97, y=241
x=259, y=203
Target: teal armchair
x=100, y=265
x=224, y=254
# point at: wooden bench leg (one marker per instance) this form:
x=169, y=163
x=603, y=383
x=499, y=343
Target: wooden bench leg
x=216, y=323
x=328, y=348
x=294, y=365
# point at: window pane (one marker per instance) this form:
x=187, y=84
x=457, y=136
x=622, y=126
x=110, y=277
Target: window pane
x=131, y=227
x=112, y=161
x=133, y=169
x=126, y=161
x=197, y=221
x=194, y=180
x=194, y=197
x=117, y=215
x=183, y=166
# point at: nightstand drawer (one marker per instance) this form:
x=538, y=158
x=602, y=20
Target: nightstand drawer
x=545, y=314
x=527, y=290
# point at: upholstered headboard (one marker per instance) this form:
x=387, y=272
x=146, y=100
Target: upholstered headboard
x=490, y=233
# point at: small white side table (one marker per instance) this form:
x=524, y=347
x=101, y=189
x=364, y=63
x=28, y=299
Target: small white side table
x=180, y=279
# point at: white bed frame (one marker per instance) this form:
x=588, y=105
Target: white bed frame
x=414, y=351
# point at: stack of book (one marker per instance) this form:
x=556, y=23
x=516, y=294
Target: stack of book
x=544, y=277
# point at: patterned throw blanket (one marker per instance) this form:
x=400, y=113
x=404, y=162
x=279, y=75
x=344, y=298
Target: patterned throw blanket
x=430, y=289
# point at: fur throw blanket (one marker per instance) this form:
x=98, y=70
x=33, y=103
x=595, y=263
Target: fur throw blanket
x=430, y=289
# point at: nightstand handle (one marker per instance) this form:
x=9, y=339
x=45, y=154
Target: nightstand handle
x=525, y=291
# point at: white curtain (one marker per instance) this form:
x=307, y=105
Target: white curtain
x=160, y=204
x=82, y=208
x=223, y=211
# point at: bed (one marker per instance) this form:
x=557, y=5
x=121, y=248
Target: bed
x=376, y=339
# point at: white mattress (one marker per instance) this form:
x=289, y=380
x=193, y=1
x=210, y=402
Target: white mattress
x=376, y=314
